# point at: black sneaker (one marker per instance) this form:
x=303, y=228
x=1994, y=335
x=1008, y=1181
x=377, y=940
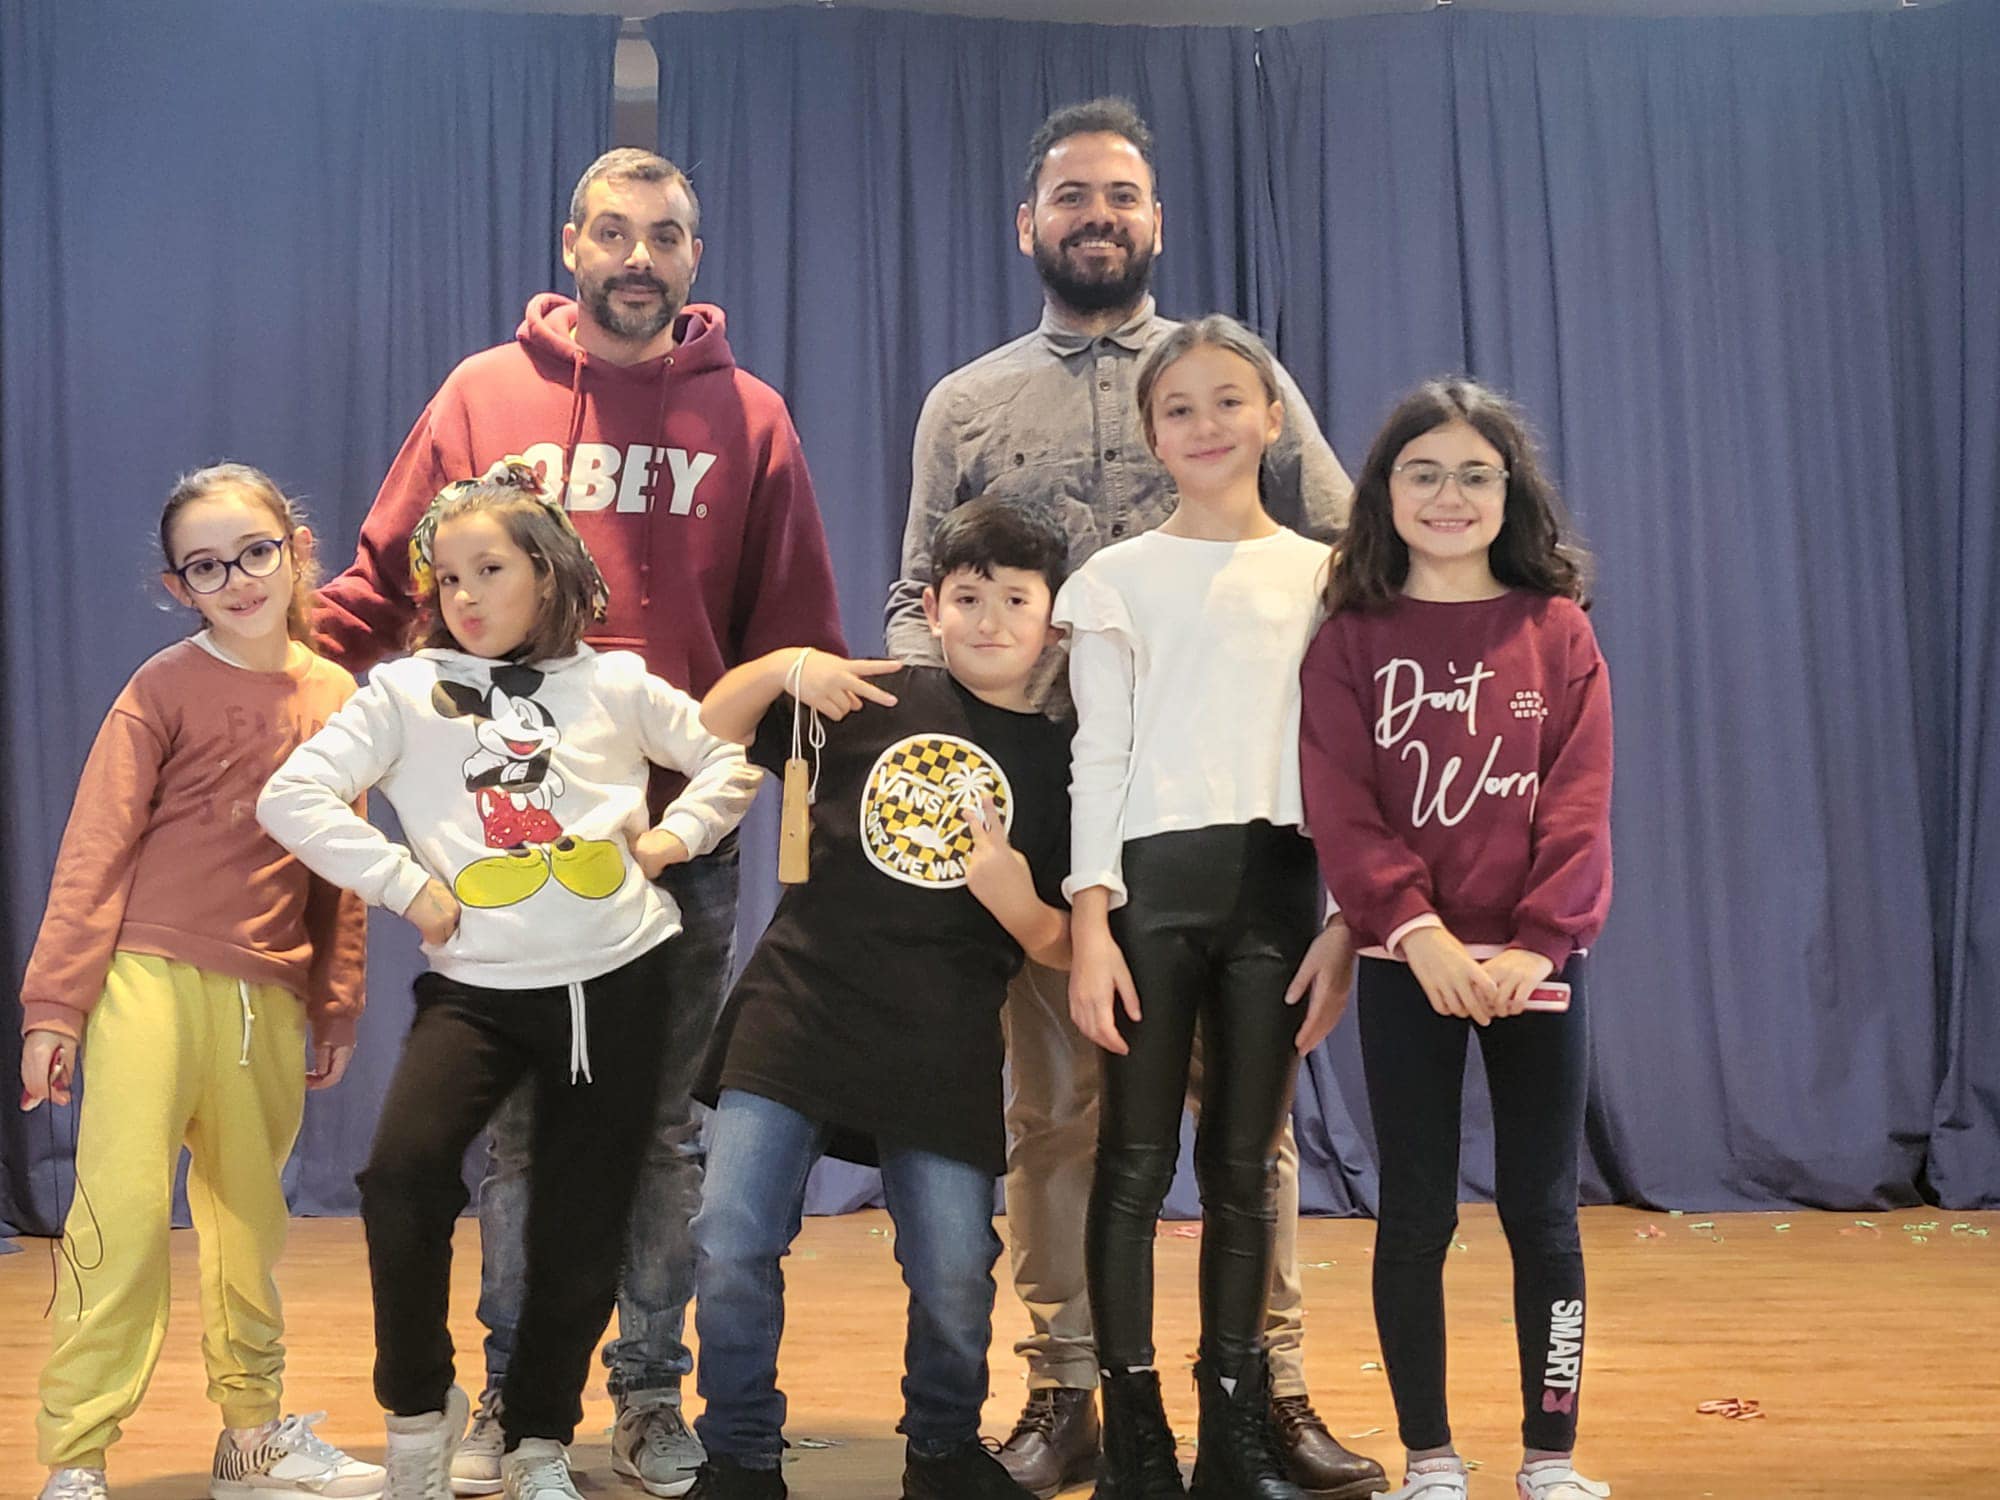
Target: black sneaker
x=967, y=1472
x=725, y=1479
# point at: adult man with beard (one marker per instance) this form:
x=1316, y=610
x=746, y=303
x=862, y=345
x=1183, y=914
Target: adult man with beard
x=684, y=476
x=1051, y=418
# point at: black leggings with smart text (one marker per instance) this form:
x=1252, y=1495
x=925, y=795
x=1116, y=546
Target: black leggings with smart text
x=1536, y=1067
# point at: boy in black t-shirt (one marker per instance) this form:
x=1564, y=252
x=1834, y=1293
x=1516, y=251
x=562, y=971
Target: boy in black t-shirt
x=867, y=1024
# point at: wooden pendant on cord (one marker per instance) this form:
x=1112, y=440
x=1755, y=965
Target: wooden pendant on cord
x=795, y=825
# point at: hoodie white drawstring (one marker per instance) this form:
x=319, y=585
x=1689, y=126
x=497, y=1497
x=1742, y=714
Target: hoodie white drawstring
x=579, y=1035
x=243, y=994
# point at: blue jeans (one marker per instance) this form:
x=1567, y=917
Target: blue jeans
x=759, y=1153
x=658, y=1278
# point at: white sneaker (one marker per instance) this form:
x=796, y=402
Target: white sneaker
x=1554, y=1479
x=75, y=1484
x=290, y=1459
x=475, y=1468
x=538, y=1469
x=1431, y=1484
x=653, y=1444
x=421, y=1450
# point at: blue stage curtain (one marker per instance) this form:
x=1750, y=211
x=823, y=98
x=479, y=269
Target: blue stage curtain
x=233, y=229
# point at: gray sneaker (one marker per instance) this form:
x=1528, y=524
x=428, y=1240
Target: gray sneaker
x=421, y=1448
x=653, y=1444
x=538, y=1469
x=475, y=1468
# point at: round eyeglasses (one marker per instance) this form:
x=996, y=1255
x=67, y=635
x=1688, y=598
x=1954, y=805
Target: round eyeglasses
x=1424, y=479
x=210, y=575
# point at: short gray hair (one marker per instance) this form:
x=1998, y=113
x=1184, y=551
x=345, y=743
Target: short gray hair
x=631, y=163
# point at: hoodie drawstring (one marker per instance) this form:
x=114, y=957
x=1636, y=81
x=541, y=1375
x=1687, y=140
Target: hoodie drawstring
x=249, y=1017
x=646, y=531
x=579, y=1035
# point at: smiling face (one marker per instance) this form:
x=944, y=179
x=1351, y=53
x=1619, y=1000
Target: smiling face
x=488, y=589
x=233, y=526
x=992, y=631
x=1094, y=226
x=1210, y=418
x=1441, y=523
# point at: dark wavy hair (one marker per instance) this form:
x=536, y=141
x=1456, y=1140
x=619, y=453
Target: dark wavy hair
x=242, y=479
x=572, y=590
x=1536, y=548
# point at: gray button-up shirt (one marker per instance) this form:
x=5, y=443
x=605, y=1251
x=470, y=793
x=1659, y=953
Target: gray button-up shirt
x=1052, y=418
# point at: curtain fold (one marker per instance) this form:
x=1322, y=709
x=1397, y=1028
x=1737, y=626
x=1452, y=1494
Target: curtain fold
x=232, y=229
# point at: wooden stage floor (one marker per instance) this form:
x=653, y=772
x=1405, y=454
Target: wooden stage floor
x=1871, y=1350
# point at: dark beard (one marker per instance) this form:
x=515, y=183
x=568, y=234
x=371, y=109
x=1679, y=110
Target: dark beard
x=632, y=324
x=1092, y=294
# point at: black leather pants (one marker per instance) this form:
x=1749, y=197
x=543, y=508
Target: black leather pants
x=1215, y=925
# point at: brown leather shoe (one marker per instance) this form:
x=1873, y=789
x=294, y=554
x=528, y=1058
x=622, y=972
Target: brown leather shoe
x=1314, y=1457
x=1054, y=1445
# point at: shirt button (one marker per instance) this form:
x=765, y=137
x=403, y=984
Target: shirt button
x=1110, y=454
x=1104, y=385
x=1020, y=459
x=1118, y=528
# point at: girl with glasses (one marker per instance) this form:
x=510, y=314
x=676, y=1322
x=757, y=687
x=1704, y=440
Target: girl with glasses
x=186, y=958
x=1456, y=752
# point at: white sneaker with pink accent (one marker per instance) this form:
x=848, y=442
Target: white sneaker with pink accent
x=1554, y=1479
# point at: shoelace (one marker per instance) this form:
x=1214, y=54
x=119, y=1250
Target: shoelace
x=77, y=1484
x=541, y=1476
x=1257, y=1438
x=415, y=1471
x=1295, y=1415
x=1037, y=1417
x=1153, y=1460
x=295, y=1434
x=663, y=1425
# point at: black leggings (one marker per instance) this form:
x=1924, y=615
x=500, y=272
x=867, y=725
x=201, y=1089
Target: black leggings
x=1536, y=1068
x=467, y=1049
x=1213, y=930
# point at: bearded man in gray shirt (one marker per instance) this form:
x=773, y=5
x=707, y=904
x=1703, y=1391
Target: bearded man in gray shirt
x=1050, y=419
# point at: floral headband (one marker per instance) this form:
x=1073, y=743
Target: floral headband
x=514, y=473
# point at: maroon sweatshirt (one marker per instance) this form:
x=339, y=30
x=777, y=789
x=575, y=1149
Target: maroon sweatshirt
x=684, y=477
x=1456, y=761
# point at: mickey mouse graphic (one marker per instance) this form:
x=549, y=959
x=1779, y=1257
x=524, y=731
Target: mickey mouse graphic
x=514, y=782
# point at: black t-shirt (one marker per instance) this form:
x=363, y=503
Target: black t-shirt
x=873, y=1000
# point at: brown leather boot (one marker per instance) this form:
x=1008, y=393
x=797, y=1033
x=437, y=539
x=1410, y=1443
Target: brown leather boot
x=1317, y=1462
x=1054, y=1445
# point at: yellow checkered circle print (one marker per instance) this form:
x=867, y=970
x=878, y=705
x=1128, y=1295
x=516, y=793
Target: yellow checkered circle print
x=916, y=803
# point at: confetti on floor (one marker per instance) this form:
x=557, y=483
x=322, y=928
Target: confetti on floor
x=1650, y=1232
x=1731, y=1408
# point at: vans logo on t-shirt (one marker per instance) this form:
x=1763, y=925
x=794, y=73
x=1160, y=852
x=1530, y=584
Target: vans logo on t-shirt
x=916, y=803
x=629, y=479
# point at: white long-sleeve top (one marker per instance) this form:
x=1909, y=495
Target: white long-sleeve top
x=1184, y=664
x=520, y=787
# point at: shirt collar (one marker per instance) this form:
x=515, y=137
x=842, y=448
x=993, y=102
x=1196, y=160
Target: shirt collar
x=1130, y=334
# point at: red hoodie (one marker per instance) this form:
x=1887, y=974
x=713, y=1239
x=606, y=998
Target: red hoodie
x=1456, y=762
x=685, y=480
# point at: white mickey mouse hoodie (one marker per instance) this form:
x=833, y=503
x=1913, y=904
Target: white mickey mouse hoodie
x=518, y=787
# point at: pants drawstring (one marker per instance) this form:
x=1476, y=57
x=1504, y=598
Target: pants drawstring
x=579, y=1035
x=249, y=1016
